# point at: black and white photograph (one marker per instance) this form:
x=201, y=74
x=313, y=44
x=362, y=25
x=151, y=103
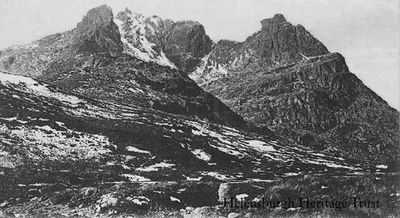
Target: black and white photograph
x=199, y=108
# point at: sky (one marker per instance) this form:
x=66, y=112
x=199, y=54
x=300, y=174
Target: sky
x=366, y=32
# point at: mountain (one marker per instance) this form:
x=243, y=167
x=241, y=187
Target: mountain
x=97, y=32
x=63, y=154
x=94, y=61
x=286, y=79
x=103, y=120
x=179, y=45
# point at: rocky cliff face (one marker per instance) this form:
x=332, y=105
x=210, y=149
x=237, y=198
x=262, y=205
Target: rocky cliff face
x=283, y=77
x=97, y=32
x=186, y=44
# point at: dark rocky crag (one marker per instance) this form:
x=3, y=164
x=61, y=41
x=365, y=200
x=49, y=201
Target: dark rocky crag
x=97, y=32
x=285, y=78
x=186, y=44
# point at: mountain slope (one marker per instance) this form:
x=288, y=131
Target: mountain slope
x=286, y=79
x=57, y=149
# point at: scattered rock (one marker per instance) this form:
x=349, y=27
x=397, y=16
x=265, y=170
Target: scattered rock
x=223, y=191
x=233, y=215
x=248, y=215
x=201, y=212
x=189, y=208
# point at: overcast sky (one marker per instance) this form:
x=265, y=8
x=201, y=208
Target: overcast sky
x=366, y=32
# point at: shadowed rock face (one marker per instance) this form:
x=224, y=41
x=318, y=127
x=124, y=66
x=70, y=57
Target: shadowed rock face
x=282, y=42
x=186, y=44
x=97, y=32
x=283, y=77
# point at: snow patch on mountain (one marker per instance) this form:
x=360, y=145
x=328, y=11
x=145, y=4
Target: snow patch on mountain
x=155, y=167
x=46, y=142
x=208, y=71
x=260, y=145
x=26, y=84
x=136, y=178
x=136, y=150
x=201, y=154
x=133, y=36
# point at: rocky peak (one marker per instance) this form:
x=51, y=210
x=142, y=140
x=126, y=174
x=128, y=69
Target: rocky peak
x=277, y=19
x=97, y=16
x=154, y=20
x=187, y=43
x=277, y=44
x=285, y=42
x=285, y=78
x=97, y=32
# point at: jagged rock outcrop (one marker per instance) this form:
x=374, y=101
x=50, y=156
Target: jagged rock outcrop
x=278, y=43
x=97, y=32
x=285, y=43
x=186, y=44
x=286, y=79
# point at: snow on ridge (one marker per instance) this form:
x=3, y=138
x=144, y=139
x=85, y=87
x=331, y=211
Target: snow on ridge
x=136, y=178
x=136, y=150
x=208, y=71
x=36, y=88
x=44, y=141
x=233, y=142
x=198, y=72
x=219, y=176
x=201, y=154
x=155, y=167
x=136, y=43
x=260, y=145
x=172, y=198
x=381, y=166
x=240, y=197
x=140, y=200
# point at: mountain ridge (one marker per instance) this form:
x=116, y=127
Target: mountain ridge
x=100, y=121
x=91, y=60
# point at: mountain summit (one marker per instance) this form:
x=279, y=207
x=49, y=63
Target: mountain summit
x=283, y=77
x=97, y=32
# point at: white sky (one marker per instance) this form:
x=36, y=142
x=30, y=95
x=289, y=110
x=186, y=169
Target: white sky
x=366, y=32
